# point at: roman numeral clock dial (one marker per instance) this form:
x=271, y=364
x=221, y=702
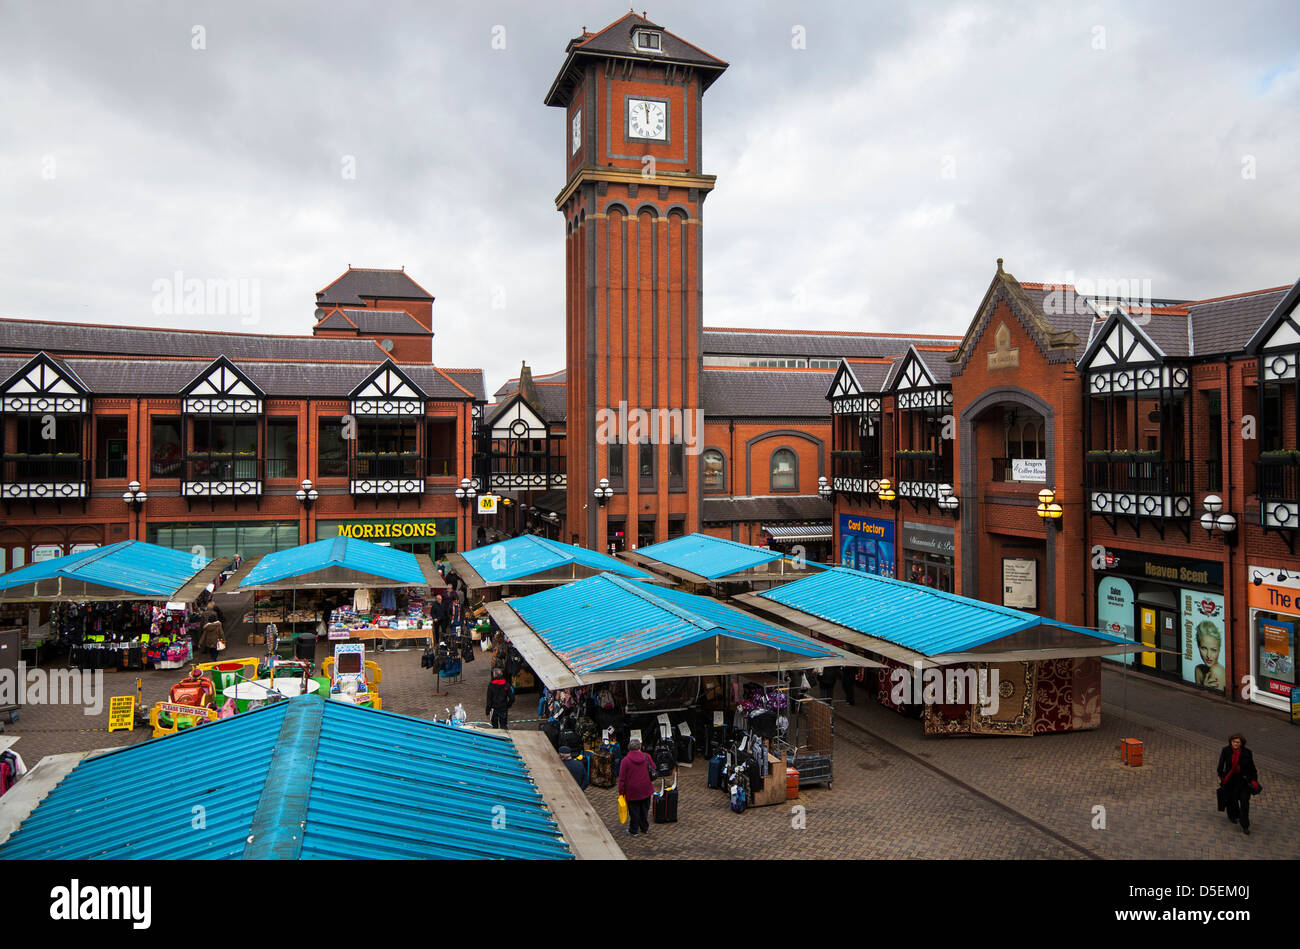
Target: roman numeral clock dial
x=647, y=119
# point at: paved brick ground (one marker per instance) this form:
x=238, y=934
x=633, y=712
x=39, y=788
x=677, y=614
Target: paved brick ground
x=898, y=793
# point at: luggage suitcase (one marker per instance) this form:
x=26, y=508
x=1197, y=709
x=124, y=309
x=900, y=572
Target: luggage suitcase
x=716, y=764
x=739, y=794
x=665, y=806
x=664, y=759
x=685, y=748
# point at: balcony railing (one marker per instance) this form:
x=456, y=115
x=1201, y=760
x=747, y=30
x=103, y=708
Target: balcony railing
x=929, y=468
x=44, y=476
x=1277, y=478
x=1140, y=487
x=855, y=465
x=282, y=468
x=222, y=475
x=114, y=468
x=386, y=474
x=1141, y=476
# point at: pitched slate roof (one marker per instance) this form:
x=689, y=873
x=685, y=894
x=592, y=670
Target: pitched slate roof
x=30, y=336
x=552, y=397
x=358, y=284
x=717, y=341
x=1227, y=324
x=746, y=393
x=616, y=41
x=395, y=322
x=871, y=375
x=511, y=386
x=789, y=507
x=276, y=379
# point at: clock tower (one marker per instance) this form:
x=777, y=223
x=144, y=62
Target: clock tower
x=632, y=202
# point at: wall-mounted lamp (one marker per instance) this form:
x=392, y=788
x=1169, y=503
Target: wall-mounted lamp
x=1213, y=520
x=947, y=500
x=824, y=488
x=1049, y=508
x=465, y=493
x=134, y=497
x=603, y=492
x=306, y=494
x=887, y=492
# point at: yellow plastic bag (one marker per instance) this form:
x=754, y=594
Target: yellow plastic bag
x=622, y=809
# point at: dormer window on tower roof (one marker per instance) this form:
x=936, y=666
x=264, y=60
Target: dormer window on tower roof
x=649, y=40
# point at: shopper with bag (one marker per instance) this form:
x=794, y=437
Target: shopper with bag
x=212, y=636
x=636, y=784
x=499, y=699
x=1238, y=780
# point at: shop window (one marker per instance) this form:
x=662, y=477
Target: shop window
x=715, y=474
x=165, y=446
x=784, y=470
x=282, y=447
x=1270, y=412
x=931, y=570
x=331, y=449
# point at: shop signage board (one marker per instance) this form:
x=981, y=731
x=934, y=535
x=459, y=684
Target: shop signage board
x=1277, y=654
x=121, y=712
x=1204, y=640
x=487, y=503
x=1029, y=469
x=198, y=711
x=1115, y=609
x=1020, y=583
x=46, y=552
x=382, y=530
x=867, y=544
x=929, y=538
x=1176, y=570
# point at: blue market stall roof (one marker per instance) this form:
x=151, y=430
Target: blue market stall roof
x=701, y=557
x=532, y=559
x=301, y=779
x=127, y=570
x=605, y=628
x=909, y=622
x=335, y=562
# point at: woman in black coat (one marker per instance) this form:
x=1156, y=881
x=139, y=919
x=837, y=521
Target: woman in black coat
x=1238, y=779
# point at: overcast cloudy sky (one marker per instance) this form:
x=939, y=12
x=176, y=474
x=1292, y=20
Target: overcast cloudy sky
x=867, y=181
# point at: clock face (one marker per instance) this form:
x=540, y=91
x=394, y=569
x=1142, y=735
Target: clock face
x=577, y=131
x=647, y=118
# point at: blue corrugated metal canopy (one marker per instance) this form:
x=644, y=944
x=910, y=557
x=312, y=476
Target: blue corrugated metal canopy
x=302, y=779
x=919, y=618
x=129, y=569
x=605, y=623
x=335, y=562
x=540, y=560
x=704, y=557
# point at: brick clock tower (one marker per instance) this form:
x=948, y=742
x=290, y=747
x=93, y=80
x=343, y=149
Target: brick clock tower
x=632, y=201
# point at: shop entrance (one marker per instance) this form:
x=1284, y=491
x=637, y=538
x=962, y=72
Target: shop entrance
x=1167, y=626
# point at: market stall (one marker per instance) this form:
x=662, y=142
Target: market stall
x=965, y=667
x=123, y=606
x=706, y=564
x=529, y=563
x=342, y=588
x=684, y=673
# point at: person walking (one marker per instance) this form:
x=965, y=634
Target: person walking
x=848, y=675
x=499, y=699
x=827, y=682
x=212, y=634
x=575, y=767
x=637, y=787
x=1238, y=780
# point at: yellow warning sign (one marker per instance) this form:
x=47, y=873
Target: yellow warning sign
x=121, y=712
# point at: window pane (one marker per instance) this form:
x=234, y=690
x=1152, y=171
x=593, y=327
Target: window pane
x=783, y=476
x=282, y=448
x=713, y=471
x=332, y=456
x=165, y=446
x=646, y=464
x=675, y=460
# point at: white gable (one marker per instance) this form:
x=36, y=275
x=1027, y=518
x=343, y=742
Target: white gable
x=387, y=385
x=41, y=387
x=518, y=421
x=222, y=381
x=1122, y=345
x=1284, y=335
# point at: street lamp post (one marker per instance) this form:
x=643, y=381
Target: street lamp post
x=1049, y=508
x=134, y=498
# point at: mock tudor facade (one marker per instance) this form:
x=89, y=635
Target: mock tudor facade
x=1165, y=434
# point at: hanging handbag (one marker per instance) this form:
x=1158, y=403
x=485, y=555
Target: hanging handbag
x=1222, y=794
x=622, y=809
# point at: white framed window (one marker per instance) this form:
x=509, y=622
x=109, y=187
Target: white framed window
x=648, y=40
